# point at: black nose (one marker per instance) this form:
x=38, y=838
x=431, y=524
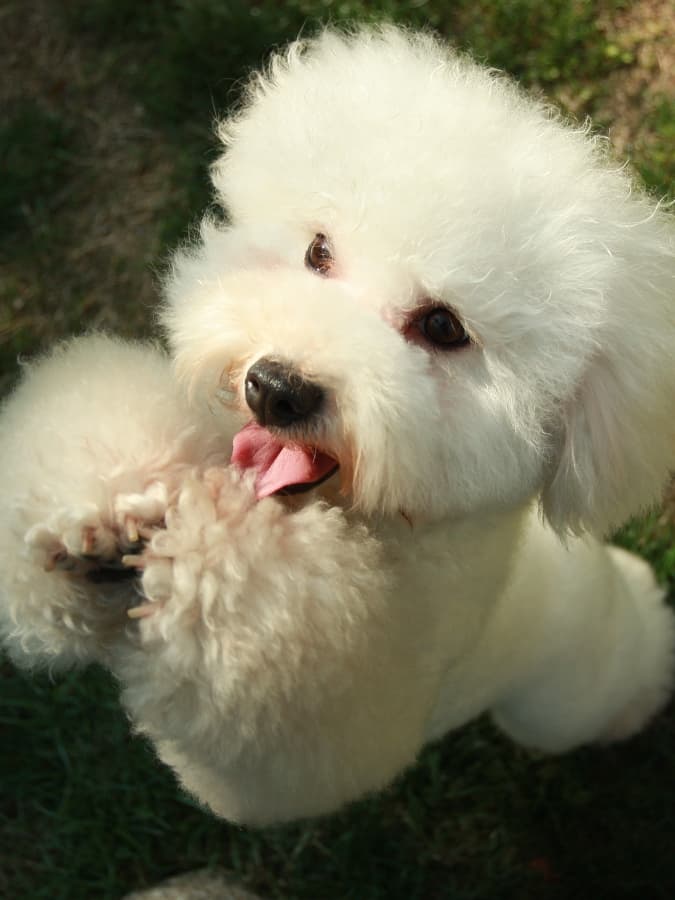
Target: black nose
x=278, y=395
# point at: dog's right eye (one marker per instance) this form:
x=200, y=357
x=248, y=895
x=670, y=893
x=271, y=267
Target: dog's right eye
x=443, y=329
x=319, y=256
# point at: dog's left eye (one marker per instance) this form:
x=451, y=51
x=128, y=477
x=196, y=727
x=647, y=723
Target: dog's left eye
x=319, y=255
x=443, y=329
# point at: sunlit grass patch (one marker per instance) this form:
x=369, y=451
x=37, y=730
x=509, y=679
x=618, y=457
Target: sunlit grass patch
x=655, y=157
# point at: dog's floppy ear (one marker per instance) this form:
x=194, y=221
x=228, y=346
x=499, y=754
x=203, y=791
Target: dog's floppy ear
x=615, y=441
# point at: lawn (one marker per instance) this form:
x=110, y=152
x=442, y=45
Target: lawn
x=105, y=141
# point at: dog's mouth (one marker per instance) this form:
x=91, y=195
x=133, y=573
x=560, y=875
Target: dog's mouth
x=281, y=468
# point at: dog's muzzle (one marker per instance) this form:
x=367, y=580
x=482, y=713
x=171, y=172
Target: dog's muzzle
x=279, y=396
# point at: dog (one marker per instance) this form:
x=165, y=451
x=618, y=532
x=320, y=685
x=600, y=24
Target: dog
x=414, y=380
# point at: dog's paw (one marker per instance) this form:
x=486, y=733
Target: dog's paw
x=99, y=547
x=138, y=515
x=213, y=533
x=76, y=541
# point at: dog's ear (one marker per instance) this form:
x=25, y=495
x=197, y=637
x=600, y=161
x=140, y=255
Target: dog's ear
x=615, y=441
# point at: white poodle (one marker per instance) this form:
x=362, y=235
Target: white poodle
x=439, y=331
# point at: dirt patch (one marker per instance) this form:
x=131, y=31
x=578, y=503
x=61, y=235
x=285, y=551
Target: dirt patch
x=95, y=251
x=645, y=31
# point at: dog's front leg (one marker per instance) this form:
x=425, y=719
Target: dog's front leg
x=273, y=673
x=93, y=443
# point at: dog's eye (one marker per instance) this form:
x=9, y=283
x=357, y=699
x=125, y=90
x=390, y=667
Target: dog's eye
x=443, y=329
x=319, y=256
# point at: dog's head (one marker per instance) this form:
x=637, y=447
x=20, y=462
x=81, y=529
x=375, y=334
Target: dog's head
x=433, y=283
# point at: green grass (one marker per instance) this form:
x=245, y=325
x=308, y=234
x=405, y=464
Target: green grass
x=656, y=162
x=31, y=182
x=85, y=810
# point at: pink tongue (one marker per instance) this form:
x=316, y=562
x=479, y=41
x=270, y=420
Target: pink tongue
x=278, y=465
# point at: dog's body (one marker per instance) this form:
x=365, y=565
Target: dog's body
x=435, y=284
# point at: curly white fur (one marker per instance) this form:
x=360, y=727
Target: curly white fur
x=293, y=653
